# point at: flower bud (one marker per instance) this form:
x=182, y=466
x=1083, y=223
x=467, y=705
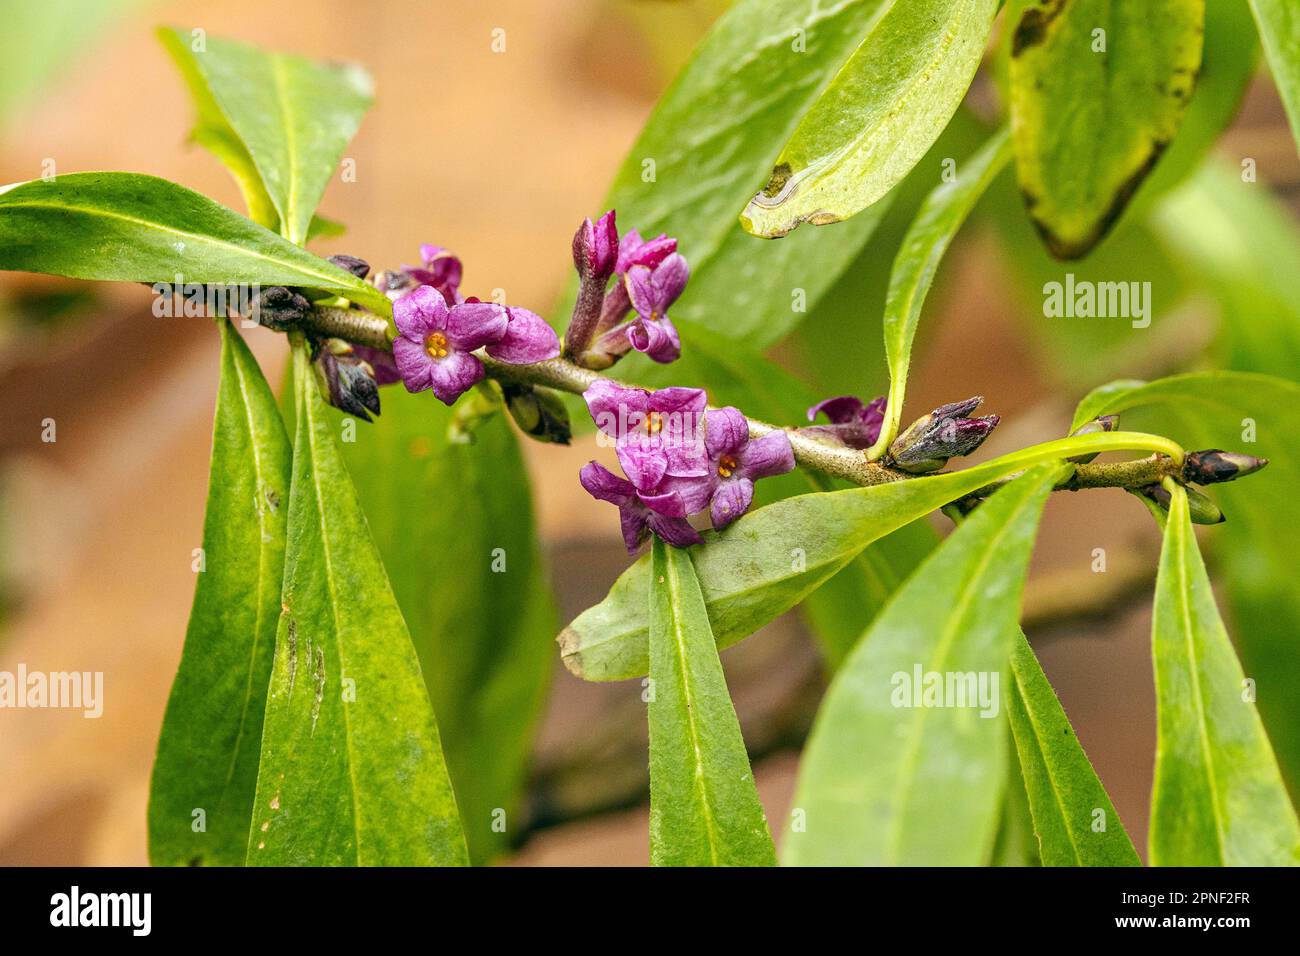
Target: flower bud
x=279, y=308
x=932, y=439
x=358, y=267
x=595, y=248
x=1201, y=509
x=346, y=381
x=1104, y=423
x=538, y=412
x=1212, y=466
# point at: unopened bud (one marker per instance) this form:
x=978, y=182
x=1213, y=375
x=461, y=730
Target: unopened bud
x=1212, y=466
x=945, y=433
x=1201, y=509
x=1103, y=423
x=538, y=412
x=346, y=380
x=358, y=267
x=279, y=308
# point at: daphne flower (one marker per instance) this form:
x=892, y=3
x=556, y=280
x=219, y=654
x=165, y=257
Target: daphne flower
x=440, y=269
x=852, y=423
x=656, y=434
x=436, y=345
x=739, y=461
x=636, y=519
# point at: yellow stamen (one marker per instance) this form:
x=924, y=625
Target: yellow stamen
x=436, y=345
x=654, y=423
x=726, y=465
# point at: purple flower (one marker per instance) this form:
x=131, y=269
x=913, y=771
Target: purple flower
x=635, y=251
x=440, y=269
x=436, y=344
x=657, y=435
x=650, y=333
x=852, y=423
x=636, y=519
x=739, y=461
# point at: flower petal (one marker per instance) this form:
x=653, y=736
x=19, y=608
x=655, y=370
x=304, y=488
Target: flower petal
x=472, y=325
x=413, y=364
x=603, y=484
x=454, y=375
x=657, y=339
x=670, y=279
x=767, y=456
x=676, y=531
x=610, y=405
x=841, y=409
x=725, y=431
x=418, y=313
x=634, y=522
x=668, y=503
x=675, y=398
x=635, y=251
x=693, y=492
x=643, y=292
x=730, y=501
x=644, y=467
x=528, y=339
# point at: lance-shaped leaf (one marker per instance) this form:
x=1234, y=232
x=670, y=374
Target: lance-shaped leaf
x=878, y=116
x=1073, y=817
x=1218, y=797
x=907, y=757
x=1255, y=549
x=132, y=228
x=352, y=767
x=1096, y=96
x=1279, y=29
x=454, y=526
x=704, y=809
x=769, y=560
x=713, y=137
x=940, y=216
x=211, y=737
x=293, y=117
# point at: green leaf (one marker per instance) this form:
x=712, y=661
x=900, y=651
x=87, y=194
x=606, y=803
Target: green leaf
x=1218, y=797
x=454, y=526
x=941, y=215
x=132, y=228
x=769, y=560
x=712, y=136
x=1064, y=793
x=352, y=767
x=1279, y=28
x=1255, y=549
x=704, y=810
x=211, y=737
x=1096, y=95
x=293, y=117
x=878, y=116
x=891, y=777
x=213, y=131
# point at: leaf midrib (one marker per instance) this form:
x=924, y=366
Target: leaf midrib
x=679, y=640
x=309, y=411
x=894, y=834
x=1183, y=605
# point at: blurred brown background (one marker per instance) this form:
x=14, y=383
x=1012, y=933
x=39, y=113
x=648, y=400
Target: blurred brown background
x=497, y=156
